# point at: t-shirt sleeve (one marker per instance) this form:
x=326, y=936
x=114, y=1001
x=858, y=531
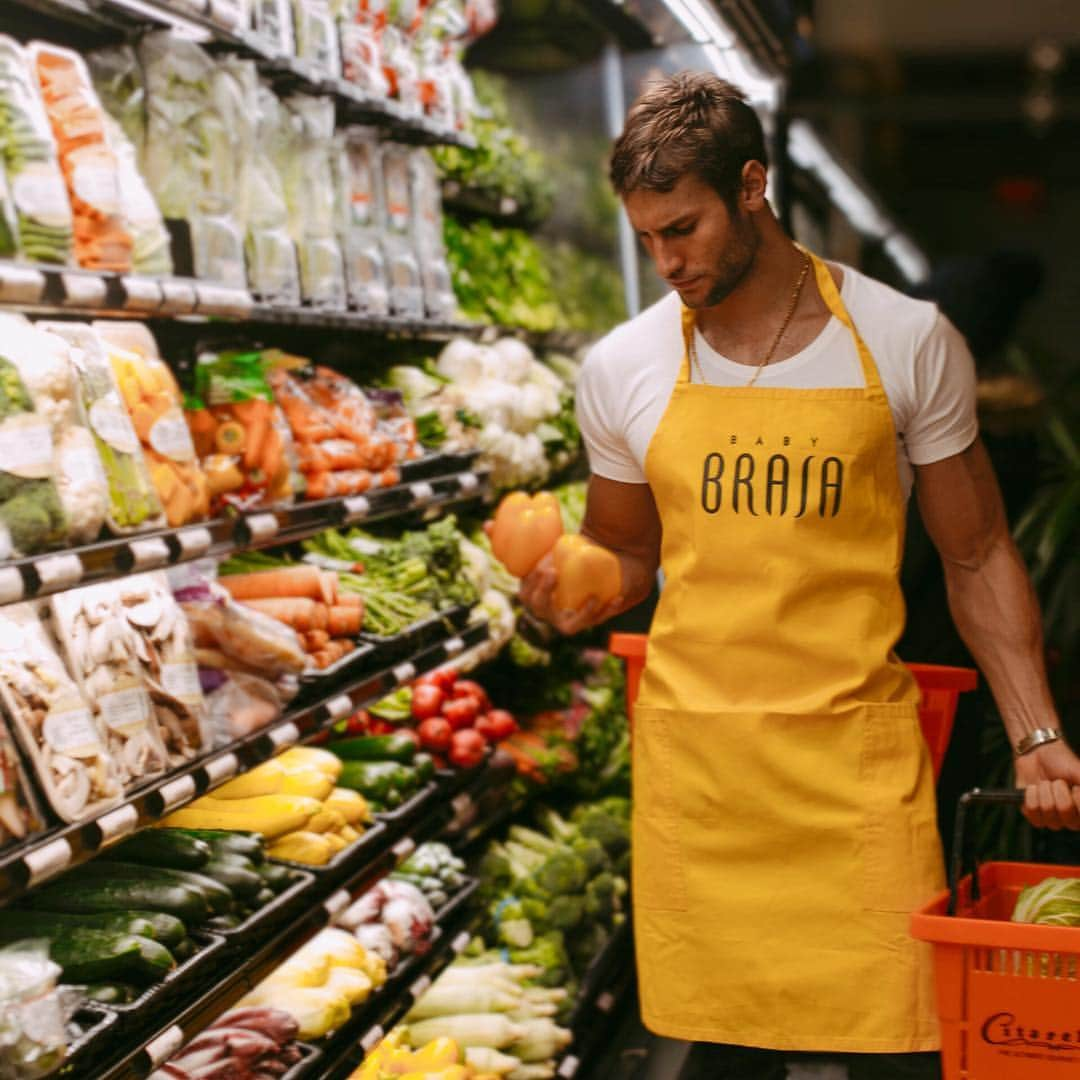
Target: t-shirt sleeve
x=943, y=421
x=599, y=405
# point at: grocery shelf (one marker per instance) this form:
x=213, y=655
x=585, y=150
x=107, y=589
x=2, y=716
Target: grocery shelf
x=59, y=849
x=116, y=19
x=474, y=202
x=435, y=481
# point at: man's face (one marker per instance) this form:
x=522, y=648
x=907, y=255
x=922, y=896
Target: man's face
x=700, y=248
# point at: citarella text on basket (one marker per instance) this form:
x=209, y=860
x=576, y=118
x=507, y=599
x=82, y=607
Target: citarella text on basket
x=1003, y=1029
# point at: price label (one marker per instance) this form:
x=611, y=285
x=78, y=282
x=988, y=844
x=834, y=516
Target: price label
x=372, y=1039
x=149, y=553
x=177, y=297
x=461, y=942
x=403, y=848
x=176, y=792
x=12, y=585
x=568, y=1068
x=125, y=711
x=141, y=293
x=162, y=1048
x=453, y=646
x=194, y=542
x=45, y=861
x=221, y=769
x=182, y=680
x=221, y=300
x=20, y=285
x=59, y=571
x=339, y=707
x=337, y=903
x=405, y=671
x=422, y=492
x=356, y=507
x=261, y=526
x=284, y=736
x=117, y=823
x=420, y=987
x=468, y=481
x=83, y=290
x=606, y=1001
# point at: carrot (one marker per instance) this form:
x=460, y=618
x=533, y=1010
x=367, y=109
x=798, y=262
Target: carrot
x=314, y=640
x=254, y=414
x=267, y=584
x=299, y=612
x=344, y=621
x=350, y=599
x=329, y=587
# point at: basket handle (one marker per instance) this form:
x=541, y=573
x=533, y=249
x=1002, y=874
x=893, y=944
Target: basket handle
x=962, y=855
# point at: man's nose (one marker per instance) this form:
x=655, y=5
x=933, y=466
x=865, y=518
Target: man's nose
x=668, y=258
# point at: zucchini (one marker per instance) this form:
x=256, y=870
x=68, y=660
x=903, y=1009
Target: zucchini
x=17, y=923
x=85, y=894
x=224, y=922
x=248, y=844
x=241, y=880
x=111, y=993
x=170, y=848
x=95, y=955
x=275, y=876
x=219, y=896
x=399, y=748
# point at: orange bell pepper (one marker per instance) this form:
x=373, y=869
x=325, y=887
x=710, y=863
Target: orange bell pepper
x=584, y=570
x=525, y=529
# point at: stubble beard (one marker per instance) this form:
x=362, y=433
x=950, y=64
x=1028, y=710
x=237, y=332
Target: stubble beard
x=735, y=261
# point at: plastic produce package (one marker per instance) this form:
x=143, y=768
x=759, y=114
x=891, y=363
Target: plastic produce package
x=102, y=239
x=43, y=213
x=361, y=53
x=439, y=299
x=8, y=228
x=155, y=405
x=44, y=362
x=133, y=503
x=118, y=80
x=403, y=271
x=33, y=1040
x=167, y=656
x=317, y=37
x=104, y=652
x=241, y=704
x=232, y=14
x=273, y=23
x=19, y=816
x=360, y=195
x=60, y=736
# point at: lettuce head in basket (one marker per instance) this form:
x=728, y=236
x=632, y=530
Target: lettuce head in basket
x=1053, y=902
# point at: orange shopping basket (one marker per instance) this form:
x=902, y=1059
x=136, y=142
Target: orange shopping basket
x=940, y=687
x=1008, y=994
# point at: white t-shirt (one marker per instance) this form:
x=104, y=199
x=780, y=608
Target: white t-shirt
x=924, y=363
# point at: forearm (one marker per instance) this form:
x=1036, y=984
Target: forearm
x=638, y=574
x=997, y=614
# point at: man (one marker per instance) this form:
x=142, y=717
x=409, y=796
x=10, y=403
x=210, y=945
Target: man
x=755, y=434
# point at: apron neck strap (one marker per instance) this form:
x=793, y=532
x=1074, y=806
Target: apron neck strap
x=831, y=295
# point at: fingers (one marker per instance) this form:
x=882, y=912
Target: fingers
x=1052, y=804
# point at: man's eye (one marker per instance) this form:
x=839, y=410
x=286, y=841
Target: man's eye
x=681, y=230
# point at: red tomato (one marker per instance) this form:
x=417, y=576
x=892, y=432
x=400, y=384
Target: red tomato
x=465, y=687
x=435, y=735
x=427, y=700
x=378, y=726
x=496, y=725
x=359, y=723
x=460, y=712
x=443, y=679
x=467, y=749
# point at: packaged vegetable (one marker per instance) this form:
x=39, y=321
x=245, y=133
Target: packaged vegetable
x=272, y=20
x=102, y=239
x=167, y=659
x=360, y=214
x=240, y=705
x=118, y=80
x=399, y=66
x=40, y=198
x=133, y=502
x=240, y=434
x=316, y=37
x=232, y=14
x=402, y=269
x=19, y=816
x=8, y=243
x=55, y=726
x=361, y=53
x=155, y=405
x=104, y=652
x=32, y=1012
x=439, y=299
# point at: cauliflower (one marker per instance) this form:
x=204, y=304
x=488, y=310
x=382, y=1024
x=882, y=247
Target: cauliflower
x=81, y=484
x=462, y=361
x=515, y=359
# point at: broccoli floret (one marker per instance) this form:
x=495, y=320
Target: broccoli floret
x=617, y=805
x=622, y=865
x=549, y=952
x=515, y=919
x=496, y=870
x=601, y=897
x=592, y=853
x=562, y=873
x=565, y=912
x=586, y=944
x=555, y=824
x=598, y=823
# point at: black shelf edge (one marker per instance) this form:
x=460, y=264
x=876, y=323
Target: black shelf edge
x=50, y=854
x=448, y=480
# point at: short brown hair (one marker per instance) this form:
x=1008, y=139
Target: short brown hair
x=691, y=122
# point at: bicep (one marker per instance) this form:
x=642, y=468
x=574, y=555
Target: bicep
x=623, y=517
x=961, y=506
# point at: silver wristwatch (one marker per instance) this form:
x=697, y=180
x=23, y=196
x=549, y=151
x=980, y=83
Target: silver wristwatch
x=1034, y=739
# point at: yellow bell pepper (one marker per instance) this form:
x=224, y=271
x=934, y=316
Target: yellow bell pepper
x=437, y=1054
x=583, y=570
x=524, y=530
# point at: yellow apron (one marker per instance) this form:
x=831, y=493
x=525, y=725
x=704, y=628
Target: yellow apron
x=784, y=816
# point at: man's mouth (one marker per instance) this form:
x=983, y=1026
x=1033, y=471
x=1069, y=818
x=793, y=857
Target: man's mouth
x=682, y=283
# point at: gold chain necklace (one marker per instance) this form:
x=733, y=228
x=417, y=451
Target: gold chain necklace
x=796, y=293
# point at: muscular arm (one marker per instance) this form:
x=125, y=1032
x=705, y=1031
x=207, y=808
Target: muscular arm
x=997, y=614
x=622, y=518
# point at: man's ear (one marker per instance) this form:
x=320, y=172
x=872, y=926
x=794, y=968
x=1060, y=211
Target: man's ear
x=754, y=183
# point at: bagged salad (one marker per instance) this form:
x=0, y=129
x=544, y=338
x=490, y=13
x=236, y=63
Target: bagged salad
x=317, y=37
x=60, y=735
x=91, y=170
x=273, y=23
x=403, y=270
x=155, y=405
x=167, y=657
x=36, y=185
x=134, y=505
x=359, y=195
x=44, y=361
x=439, y=299
x=104, y=652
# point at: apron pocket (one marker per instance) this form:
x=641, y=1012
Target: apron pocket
x=659, y=877
x=902, y=860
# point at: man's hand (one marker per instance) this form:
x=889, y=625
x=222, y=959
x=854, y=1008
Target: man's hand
x=1051, y=777
x=537, y=593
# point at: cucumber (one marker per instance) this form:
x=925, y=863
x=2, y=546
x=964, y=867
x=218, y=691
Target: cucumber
x=375, y=748
x=250, y=845
x=219, y=896
x=167, y=929
x=164, y=847
x=241, y=880
x=85, y=894
x=111, y=993
x=274, y=876
x=17, y=923
x=95, y=955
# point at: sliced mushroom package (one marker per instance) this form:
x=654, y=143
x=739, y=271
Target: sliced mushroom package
x=19, y=817
x=56, y=727
x=166, y=653
x=103, y=652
